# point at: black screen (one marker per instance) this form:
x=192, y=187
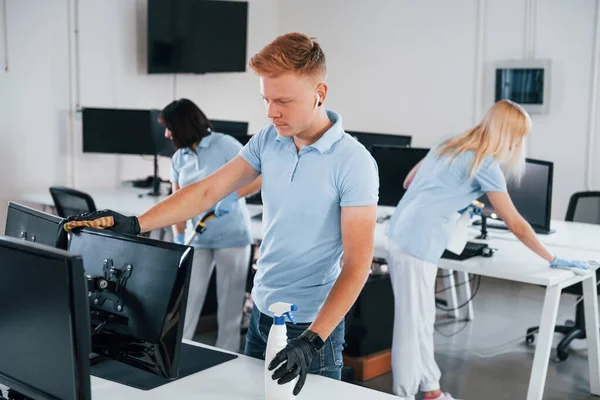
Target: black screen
x=394, y=164
x=119, y=131
x=154, y=297
x=524, y=86
x=233, y=128
x=369, y=140
x=533, y=196
x=197, y=36
x=32, y=225
x=44, y=333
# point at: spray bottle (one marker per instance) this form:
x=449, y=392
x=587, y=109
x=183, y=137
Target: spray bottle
x=275, y=343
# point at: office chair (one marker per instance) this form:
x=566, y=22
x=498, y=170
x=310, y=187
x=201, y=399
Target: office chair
x=583, y=207
x=71, y=202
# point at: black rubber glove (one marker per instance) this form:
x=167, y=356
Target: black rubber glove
x=296, y=358
x=123, y=224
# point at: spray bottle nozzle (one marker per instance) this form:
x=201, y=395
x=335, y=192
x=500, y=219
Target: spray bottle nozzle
x=281, y=310
x=291, y=317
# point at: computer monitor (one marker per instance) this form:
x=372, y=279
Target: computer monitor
x=394, y=164
x=45, y=326
x=118, y=131
x=234, y=128
x=34, y=225
x=369, y=139
x=533, y=195
x=138, y=294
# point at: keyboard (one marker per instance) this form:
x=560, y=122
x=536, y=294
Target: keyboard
x=472, y=249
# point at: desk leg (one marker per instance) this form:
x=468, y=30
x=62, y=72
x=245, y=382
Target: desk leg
x=450, y=285
x=465, y=293
x=590, y=302
x=537, y=380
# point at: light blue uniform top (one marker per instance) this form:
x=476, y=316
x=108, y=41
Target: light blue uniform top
x=303, y=193
x=188, y=166
x=425, y=216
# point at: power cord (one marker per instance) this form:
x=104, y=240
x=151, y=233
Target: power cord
x=475, y=291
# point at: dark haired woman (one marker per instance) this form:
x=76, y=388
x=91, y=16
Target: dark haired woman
x=226, y=242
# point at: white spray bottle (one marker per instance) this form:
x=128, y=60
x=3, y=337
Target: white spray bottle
x=275, y=343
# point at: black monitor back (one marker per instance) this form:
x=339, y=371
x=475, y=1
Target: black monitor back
x=147, y=331
x=119, y=131
x=34, y=225
x=234, y=128
x=394, y=164
x=533, y=195
x=45, y=325
x=379, y=139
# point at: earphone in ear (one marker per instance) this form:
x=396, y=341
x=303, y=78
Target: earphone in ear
x=318, y=103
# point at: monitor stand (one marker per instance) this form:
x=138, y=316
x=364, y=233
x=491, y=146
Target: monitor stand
x=192, y=359
x=156, y=179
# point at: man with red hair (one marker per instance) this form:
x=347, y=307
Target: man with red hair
x=320, y=193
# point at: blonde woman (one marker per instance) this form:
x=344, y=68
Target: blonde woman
x=455, y=172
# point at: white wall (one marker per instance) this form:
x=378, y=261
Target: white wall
x=395, y=66
x=33, y=99
x=402, y=66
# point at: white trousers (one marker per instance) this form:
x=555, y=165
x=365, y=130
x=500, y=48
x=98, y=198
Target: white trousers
x=413, y=365
x=232, y=270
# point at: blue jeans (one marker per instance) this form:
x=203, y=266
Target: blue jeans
x=327, y=362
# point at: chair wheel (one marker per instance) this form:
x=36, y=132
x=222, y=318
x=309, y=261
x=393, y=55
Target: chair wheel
x=529, y=339
x=562, y=355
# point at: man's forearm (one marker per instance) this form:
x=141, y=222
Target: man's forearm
x=344, y=293
x=182, y=205
x=250, y=189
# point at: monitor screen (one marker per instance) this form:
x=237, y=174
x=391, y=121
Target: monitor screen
x=142, y=324
x=190, y=35
x=369, y=139
x=45, y=328
x=32, y=225
x=118, y=131
x=533, y=196
x=521, y=85
x=234, y=128
x=394, y=164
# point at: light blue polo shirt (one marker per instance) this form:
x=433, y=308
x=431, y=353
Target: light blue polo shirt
x=303, y=193
x=188, y=166
x=425, y=216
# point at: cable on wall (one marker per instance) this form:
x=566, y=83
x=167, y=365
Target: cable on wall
x=479, y=56
x=593, y=113
x=5, y=34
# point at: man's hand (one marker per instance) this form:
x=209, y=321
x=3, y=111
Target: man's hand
x=296, y=358
x=96, y=219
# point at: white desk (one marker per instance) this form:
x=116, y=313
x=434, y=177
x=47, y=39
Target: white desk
x=568, y=234
x=241, y=378
x=513, y=261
